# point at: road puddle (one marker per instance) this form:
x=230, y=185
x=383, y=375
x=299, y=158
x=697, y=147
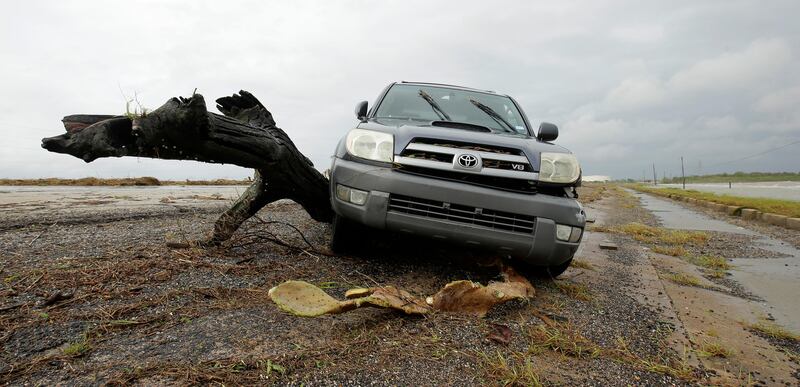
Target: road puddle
x=775, y=280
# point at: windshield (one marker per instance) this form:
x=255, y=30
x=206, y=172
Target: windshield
x=430, y=103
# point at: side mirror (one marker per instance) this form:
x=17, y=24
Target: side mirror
x=547, y=132
x=361, y=110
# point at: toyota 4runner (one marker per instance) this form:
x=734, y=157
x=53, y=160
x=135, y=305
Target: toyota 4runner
x=460, y=165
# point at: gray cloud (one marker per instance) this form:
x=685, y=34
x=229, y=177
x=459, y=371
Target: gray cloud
x=629, y=83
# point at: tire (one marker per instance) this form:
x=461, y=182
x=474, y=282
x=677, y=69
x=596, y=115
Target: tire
x=546, y=272
x=343, y=235
x=557, y=270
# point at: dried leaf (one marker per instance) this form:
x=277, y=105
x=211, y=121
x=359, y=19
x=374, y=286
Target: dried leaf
x=500, y=334
x=306, y=300
x=471, y=298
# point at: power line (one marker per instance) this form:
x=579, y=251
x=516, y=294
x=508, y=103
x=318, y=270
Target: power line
x=757, y=154
x=9, y=125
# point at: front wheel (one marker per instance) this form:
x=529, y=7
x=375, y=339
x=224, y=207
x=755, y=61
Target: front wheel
x=547, y=272
x=343, y=234
x=557, y=270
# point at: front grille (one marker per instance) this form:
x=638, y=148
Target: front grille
x=441, y=157
x=501, y=164
x=469, y=146
x=500, y=167
x=501, y=183
x=479, y=217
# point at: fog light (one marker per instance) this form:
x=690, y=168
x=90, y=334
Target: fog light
x=576, y=234
x=358, y=197
x=343, y=193
x=563, y=232
x=351, y=195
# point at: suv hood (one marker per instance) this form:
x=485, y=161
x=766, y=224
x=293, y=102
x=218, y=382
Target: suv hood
x=404, y=131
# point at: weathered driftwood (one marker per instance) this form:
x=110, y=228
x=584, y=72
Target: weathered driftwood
x=183, y=129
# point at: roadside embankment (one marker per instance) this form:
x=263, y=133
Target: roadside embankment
x=784, y=213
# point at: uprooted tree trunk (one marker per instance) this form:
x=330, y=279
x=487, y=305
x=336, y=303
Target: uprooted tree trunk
x=183, y=129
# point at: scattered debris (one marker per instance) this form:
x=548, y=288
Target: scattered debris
x=55, y=297
x=608, y=245
x=10, y=307
x=162, y=275
x=41, y=233
x=307, y=300
x=500, y=334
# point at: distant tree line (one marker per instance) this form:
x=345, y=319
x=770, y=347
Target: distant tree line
x=736, y=177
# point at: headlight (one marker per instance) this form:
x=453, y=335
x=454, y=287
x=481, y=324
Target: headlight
x=370, y=145
x=559, y=168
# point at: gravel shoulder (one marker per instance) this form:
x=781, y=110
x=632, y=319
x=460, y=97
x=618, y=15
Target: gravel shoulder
x=133, y=311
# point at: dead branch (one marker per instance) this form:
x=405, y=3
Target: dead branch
x=183, y=129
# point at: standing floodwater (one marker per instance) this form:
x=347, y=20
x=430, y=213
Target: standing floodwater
x=785, y=190
x=776, y=280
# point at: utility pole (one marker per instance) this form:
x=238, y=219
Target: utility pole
x=655, y=182
x=683, y=174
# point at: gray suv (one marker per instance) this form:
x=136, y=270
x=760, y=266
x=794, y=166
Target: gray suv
x=461, y=165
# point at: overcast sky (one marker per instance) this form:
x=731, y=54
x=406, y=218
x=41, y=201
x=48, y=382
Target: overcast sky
x=629, y=83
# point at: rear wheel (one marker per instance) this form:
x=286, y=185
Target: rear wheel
x=344, y=235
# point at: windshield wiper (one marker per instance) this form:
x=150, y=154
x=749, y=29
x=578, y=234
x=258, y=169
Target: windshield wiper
x=435, y=106
x=495, y=116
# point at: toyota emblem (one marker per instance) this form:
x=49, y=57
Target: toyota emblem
x=467, y=161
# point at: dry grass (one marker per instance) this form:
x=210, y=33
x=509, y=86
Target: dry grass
x=517, y=368
x=710, y=262
x=590, y=192
x=582, y=264
x=713, y=349
x=774, y=331
x=678, y=368
x=574, y=290
x=563, y=339
x=715, y=273
x=133, y=181
x=668, y=241
x=684, y=279
x=656, y=235
x=675, y=251
x=513, y=370
x=775, y=206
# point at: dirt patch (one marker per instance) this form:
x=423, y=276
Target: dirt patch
x=141, y=312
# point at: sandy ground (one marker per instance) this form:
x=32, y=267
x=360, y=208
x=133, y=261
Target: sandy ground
x=91, y=294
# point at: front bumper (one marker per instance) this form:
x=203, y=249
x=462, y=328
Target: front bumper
x=539, y=248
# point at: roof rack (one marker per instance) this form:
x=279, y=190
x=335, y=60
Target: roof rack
x=453, y=86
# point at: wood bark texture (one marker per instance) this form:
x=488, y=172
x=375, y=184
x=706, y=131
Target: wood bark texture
x=183, y=129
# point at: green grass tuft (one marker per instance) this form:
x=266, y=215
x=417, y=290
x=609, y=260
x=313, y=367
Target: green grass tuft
x=774, y=331
x=78, y=348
